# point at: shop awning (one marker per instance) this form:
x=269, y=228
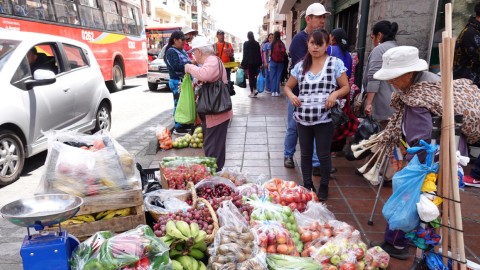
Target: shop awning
x=343, y=4
x=164, y=26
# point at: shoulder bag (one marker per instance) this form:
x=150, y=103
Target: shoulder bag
x=214, y=98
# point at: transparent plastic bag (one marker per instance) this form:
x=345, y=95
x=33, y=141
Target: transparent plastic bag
x=260, y=180
x=275, y=238
x=377, y=258
x=179, y=172
x=285, y=262
x=249, y=189
x=164, y=137
x=88, y=249
x=234, y=243
x=208, y=162
x=86, y=165
x=427, y=210
x=212, y=181
x=166, y=201
x=135, y=249
x=235, y=175
x=288, y=193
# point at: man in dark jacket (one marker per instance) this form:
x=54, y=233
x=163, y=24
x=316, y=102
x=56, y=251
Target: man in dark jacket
x=466, y=63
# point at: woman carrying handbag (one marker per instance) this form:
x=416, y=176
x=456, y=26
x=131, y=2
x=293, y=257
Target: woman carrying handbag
x=214, y=105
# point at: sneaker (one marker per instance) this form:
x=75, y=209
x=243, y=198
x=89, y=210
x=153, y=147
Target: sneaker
x=333, y=154
x=470, y=181
x=268, y=91
x=401, y=254
x=288, y=162
x=255, y=93
x=310, y=187
x=322, y=193
x=180, y=131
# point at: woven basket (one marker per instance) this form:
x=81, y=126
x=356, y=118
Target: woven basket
x=184, y=198
x=210, y=237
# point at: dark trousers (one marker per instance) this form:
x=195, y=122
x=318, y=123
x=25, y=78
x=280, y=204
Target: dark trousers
x=229, y=72
x=252, y=77
x=396, y=238
x=475, y=173
x=323, y=136
x=214, y=142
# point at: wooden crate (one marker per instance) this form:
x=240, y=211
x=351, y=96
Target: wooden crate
x=100, y=203
x=163, y=179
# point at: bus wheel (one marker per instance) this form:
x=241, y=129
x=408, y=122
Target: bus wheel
x=117, y=83
x=153, y=86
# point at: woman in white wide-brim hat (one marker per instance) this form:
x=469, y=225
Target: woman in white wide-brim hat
x=417, y=101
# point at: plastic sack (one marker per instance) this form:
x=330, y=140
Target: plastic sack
x=260, y=82
x=427, y=210
x=429, y=183
x=259, y=262
x=275, y=238
x=315, y=212
x=377, y=258
x=400, y=211
x=234, y=242
x=212, y=181
x=88, y=249
x=367, y=128
x=166, y=201
x=86, y=165
x=208, y=162
x=260, y=180
x=178, y=176
x=135, y=249
x=249, y=189
x=164, y=137
x=186, y=112
x=240, y=77
x=288, y=193
x=435, y=262
x=235, y=175
x=339, y=118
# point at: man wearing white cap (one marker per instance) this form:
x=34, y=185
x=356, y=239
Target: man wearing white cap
x=190, y=33
x=315, y=18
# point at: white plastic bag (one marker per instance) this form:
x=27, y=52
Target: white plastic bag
x=169, y=198
x=427, y=210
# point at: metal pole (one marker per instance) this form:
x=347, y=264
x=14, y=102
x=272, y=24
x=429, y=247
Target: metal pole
x=362, y=40
x=386, y=158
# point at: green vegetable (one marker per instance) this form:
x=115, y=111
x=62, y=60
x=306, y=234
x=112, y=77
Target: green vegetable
x=148, y=231
x=284, y=262
x=91, y=264
x=159, y=261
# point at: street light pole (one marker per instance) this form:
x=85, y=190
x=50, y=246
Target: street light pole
x=362, y=40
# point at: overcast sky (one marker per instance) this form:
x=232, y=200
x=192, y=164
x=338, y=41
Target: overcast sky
x=238, y=16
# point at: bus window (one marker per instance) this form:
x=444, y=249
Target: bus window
x=128, y=21
x=37, y=9
x=66, y=12
x=137, y=19
x=90, y=14
x=5, y=7
x=113, y=22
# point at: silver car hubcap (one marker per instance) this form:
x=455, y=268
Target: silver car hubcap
x=118, y=77
x=104, y=119
x=9, y=159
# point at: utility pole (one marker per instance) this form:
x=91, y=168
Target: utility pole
x=362, y=40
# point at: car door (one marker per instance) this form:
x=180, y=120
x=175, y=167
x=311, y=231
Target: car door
x=49, y=106
x=83, y=83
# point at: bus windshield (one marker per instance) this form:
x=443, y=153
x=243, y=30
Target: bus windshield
x=7, y=47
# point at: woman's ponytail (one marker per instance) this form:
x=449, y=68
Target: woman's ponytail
x=171, y=41
x=340, y=37
x=388, y=29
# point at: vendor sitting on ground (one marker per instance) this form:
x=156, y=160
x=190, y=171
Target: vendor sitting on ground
x=417, y=101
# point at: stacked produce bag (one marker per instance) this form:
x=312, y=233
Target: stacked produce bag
x=86, y=165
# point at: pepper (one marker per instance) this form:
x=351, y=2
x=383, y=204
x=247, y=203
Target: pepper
x=142, y=264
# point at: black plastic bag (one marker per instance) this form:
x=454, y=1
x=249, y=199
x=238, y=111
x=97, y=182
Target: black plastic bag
x=365, y=129
x=339, y=118
x=214, y=98
x=231, y=88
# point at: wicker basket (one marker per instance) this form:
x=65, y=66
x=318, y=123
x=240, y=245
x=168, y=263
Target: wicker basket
x=156, y=215
x=210, y=237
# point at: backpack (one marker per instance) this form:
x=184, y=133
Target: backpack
x=278, y=52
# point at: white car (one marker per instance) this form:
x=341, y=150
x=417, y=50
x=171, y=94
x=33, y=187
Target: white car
x=157, y=74
x=47, y=82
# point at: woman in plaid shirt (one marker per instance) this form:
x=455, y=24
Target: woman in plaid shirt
x=317, y=76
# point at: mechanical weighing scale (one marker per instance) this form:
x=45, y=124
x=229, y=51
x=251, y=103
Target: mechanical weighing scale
x=44, y=250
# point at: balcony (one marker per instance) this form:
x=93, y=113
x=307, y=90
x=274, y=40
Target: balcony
x=194, y=9
x=204, y=14
x=266, y=19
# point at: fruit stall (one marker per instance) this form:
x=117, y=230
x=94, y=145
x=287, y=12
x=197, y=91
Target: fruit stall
x=198, y=219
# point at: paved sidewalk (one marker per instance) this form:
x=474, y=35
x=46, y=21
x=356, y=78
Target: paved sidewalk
x=255, y=142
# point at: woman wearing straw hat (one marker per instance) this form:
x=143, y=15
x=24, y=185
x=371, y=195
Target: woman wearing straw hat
x=417, y=101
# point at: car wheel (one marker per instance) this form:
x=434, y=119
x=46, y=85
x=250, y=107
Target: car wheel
x=12, y=157
x=104, y=118
x=116, y=84
x=153, y=86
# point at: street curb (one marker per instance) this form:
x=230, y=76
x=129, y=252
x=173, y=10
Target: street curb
x=153, y=146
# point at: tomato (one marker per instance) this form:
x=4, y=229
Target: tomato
x=293, y=206
x=290, y=184
x=304, y=198
x=309, y=196
x=84, y=147
x=301, y=190
x=296, y=197
x=288, y=198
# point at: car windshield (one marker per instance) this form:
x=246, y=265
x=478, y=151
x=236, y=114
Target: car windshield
x=7, y=47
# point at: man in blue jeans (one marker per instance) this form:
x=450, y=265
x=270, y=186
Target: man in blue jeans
x=315, y=18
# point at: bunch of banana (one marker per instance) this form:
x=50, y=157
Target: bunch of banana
x=70, y=222
x=181, y=231
x=113, y=214
x=86, y=218
x=187, y=263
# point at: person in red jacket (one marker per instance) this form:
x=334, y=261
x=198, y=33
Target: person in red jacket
x=190, y=33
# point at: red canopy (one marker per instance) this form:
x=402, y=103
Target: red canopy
x=164, y=26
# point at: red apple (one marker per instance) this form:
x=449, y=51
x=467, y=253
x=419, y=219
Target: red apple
x=263, y=240
x=306, y=237
x=271, y=238
x=301, y=230
x=282, y=249
x=305, y=253
x=327, y=232
x=348, y=266
x=314, y=226
x=315, y=235
x=271, y=249
x=281, y=238
x=359, y=253
x=289, y=248
x=332, y=267
x=368, y=259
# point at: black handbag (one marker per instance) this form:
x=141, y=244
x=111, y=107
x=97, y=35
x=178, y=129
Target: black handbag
x=214, y=98
x=339, y=118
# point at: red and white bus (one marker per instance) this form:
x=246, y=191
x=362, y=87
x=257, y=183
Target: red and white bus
x=113, y=29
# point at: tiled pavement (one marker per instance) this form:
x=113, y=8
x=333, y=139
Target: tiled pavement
x=255, y=143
